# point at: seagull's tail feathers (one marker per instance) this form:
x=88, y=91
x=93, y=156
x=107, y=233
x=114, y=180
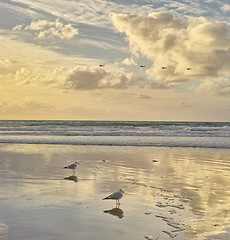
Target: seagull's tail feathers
x=105, y=198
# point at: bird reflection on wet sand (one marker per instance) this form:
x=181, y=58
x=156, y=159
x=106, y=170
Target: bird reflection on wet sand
x=72, y=178
x=116, y=212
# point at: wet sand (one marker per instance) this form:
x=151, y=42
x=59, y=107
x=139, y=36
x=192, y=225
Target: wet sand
x=170, y=193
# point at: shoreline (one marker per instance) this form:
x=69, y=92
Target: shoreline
x=135, y=141
x=168, y=192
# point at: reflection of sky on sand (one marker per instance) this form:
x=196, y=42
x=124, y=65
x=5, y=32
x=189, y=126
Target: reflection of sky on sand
x=181, y=187
x=3, y=230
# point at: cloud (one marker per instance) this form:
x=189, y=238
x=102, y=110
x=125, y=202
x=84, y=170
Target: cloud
x=49, y=29
x=214, y=86
x=142, y=96
x=225, y=8
x=181, y=49
x=86, y=12
x=129, y=61
x=19, y=27
x=31, y=107
x=5, y=63
x=77, y=78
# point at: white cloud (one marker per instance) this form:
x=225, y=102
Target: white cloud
x=96, y=12
x=129, y=61
x=19, y=27
x=77, y=78
x=225, y=8
x=5, y=62
x=181, y=49
x=214, y=86
x=49, y=29
x=78, y=11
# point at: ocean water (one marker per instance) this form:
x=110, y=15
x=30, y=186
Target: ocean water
x=117, y=133
x=178, y=189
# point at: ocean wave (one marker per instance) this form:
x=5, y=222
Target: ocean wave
x=198, y=142
x=142, y=133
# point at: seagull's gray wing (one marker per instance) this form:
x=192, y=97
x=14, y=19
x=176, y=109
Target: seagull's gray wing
x=116, y=195
x=72, y=166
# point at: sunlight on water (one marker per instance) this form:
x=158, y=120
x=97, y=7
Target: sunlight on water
x=168, y=191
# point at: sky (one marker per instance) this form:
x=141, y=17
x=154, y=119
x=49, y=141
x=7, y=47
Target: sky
x=130, y=60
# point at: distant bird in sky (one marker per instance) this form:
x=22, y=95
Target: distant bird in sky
x=142, y=66
x=116, y=196
x=73, y=166
x=101, y=65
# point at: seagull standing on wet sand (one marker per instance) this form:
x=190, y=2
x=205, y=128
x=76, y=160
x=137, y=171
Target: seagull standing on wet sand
x=116, y=196
x=73, y=166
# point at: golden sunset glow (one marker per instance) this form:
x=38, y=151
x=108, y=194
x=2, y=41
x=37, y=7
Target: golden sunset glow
x=114, y=61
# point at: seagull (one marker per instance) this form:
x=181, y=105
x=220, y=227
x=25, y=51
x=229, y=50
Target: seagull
x=72, y=166
x=116, y=196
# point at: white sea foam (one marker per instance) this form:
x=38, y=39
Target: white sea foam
x=166, y=134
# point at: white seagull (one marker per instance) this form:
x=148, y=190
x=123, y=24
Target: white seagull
x=73, y=166
x=116, y=196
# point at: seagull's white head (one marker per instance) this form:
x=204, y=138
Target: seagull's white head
x=121, y=191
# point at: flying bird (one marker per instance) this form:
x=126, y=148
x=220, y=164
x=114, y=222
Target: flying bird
x=116, y=196
x=73, y=166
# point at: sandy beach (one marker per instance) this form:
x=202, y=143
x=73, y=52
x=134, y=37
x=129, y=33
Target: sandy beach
x=170, y=193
